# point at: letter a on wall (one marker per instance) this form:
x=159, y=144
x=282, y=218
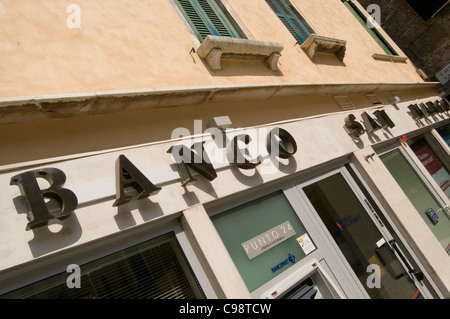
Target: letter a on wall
x=127, y=175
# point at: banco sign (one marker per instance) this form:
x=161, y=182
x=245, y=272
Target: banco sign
x=279, y=143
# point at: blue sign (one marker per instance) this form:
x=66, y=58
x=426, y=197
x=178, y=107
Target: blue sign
x=346, y=222
x=291, y=258
x=432, y=215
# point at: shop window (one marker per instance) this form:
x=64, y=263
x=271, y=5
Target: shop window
x=208, y=17
x=434, y=158
x=376, y=35
x=427, y=8
x=426, y=204
x=264, y=238
x=156, y=269
x=292, y=20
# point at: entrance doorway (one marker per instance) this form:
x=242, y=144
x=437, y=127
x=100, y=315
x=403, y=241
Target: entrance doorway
x=353, y=227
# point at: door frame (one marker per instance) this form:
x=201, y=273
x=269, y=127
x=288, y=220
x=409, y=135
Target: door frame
x=373, y=214
x=312, y=222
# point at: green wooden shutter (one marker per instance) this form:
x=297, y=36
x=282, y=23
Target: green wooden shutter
x=291, y=19
x=372, y=31
x=205, y=17
x=193, y=18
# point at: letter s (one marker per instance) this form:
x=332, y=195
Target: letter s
x=353, y=127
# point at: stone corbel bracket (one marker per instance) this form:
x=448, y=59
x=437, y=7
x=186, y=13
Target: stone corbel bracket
x=215, y=48
x=389, y=57
x=319, y=44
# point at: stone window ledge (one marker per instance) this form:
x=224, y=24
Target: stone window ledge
x=319, y=44
x=389, y=57
x=215, y=48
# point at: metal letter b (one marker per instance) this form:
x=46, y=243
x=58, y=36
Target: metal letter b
x=39, y=212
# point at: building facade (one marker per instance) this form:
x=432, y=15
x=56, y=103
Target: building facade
x=217, y=149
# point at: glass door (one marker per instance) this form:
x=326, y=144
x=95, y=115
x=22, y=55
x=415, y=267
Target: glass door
x=354, y=229
x=427, y=203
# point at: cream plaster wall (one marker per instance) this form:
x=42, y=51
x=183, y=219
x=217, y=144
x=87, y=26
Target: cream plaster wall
x=124, y=45
x=22, y=142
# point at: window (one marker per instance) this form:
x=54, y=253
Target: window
x=376, y=35
x=251, y=232
x=156, y=269
x=293, y=21
x=206, y=17
x=434, y=158
x=427, y=8
x=425, y=202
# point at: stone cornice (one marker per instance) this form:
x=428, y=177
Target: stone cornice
x=33, y=108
